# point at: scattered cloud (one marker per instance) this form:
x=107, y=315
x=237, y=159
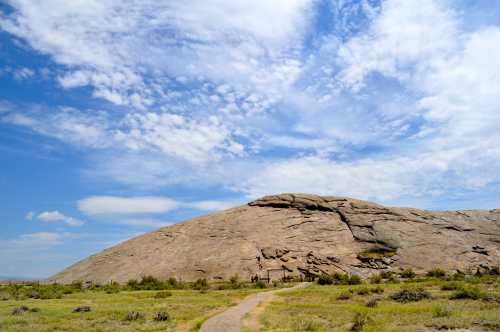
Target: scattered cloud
x=55, y=216
x=113, y=205
x=108, y=205
x=211, y=205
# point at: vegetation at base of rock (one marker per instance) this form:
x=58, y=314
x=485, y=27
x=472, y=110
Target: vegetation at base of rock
x=408, y=274
x=436, y=273
x=339, y=279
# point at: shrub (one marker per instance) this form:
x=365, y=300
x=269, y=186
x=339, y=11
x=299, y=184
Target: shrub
x=133, y=284
x=408, y=274
x=112, y=288
x=472, y=293
x=441, y=310
x=20, y=310
x=77, y=285
x=133, y=315
x=307, y=325
x=344, y=296
x=173, y=283
x=354, y=280
x=436, y=273
x=151, y=283
x=410, y=295
x=161, y=316
x=377, y=290
x=451, y=286
x=376, y=279
x=162, y=295
x=372, y=303
x=200, y=284
x=235, y=283
x=363, y=291
x=387, y=274
x=340, y=279
x=495, y=271
x=325, y=279
x=359, y=321
x=260, y=284
x=83, y=308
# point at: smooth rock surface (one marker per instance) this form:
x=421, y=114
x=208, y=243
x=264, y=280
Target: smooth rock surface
x=299, y=234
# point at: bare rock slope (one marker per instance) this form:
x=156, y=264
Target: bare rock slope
x=299, y=234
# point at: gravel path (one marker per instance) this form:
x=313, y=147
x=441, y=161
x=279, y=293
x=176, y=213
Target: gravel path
x=230, y=320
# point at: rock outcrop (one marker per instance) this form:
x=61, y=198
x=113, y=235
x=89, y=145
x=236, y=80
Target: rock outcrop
x=299, y=234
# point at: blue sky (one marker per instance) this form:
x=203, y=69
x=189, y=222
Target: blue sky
x=119, y=117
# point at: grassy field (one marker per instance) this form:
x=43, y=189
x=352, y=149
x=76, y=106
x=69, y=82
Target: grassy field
x=430, y=304
x=185, y=310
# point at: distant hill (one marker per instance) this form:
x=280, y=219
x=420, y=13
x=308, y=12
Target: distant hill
x=301, y=235
x=14, y=278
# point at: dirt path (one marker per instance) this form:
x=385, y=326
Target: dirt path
x=230, y=320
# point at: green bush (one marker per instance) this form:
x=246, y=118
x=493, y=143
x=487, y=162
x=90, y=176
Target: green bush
x=359, y=321
x=410, y=295
x=472, y=293
x=340, y=279
x=235, y=282
x=377, y=290
x=363, y=291
x=441, y=310
x=112, y=288
x=344, y=296
x=325, y=279
x=133, y=316
x=387, y=274
x=451, y=286
x=495, y=271
x=372, y=303
x=200, y=284
x=354, y=280
x=161, y=316
x=408, y=274
x=260, y=284
x=376, y=279
x=162, y=295
x=436, y=273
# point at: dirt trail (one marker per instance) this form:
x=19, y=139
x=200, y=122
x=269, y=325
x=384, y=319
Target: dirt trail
x=231, y=319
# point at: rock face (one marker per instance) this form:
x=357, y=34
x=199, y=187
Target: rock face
x=299, y=234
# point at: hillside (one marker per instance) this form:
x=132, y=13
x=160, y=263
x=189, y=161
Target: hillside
x=299, y=234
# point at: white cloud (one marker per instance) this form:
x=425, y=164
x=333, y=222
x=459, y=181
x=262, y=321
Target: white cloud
x=54, y=216
x=30, y=241
x=210, y=205
x=149, y=223
x=30, y=215
x=89, y=129
x=407, y=37
x=23, y=74
x=109, y=205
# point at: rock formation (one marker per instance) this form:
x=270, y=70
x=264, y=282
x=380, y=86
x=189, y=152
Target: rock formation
x=299, y=234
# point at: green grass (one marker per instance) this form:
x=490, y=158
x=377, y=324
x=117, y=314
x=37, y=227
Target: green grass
x=185, y=308
x=318, y=308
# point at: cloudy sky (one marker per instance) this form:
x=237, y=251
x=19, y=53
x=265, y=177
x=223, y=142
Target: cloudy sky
x=120, y=116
